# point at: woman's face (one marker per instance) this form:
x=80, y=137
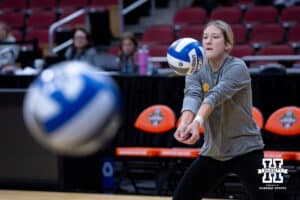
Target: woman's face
x=80, y=40
x=128, y=47
x=213, y=42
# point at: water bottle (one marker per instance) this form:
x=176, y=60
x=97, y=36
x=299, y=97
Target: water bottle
x=152, y=69
x=142, y=60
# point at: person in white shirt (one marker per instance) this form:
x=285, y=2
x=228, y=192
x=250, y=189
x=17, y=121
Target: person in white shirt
x=9, y=51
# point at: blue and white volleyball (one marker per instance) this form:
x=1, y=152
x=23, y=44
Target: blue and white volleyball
x=71, y=109
x=185, y=56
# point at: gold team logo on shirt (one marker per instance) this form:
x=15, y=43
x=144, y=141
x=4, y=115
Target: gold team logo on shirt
x=205, y=87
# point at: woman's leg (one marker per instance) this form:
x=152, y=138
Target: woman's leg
x=246, y=167
x=199, y=178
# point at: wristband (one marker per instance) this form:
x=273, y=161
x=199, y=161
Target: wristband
x=199, y=119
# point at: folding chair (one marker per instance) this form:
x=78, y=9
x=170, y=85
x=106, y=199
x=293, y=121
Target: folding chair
x=282, y=133
x=284, y=121
x=40, y=20
x=114, y=50
x=141, y=161
x=193, y=31
x=158, y=34
x=72, y=5
x=261, y=36
x=293, y=36
x=274, y=49
x=240, y=33
x=282, y=129
x=231, y=15
x=258, y=117
x=38, y=5
x=189, y=15
x=290, y=16
x=159, y=50
x=242, y=50
x=40, y=34
x=260, y=14
x=79, y=22
x=15, y=20
x=8, y=6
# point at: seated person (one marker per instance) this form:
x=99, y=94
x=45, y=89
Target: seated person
x=81, y=49
x=9, y=51
x=128, y=49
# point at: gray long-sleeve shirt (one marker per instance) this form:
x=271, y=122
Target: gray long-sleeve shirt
x=230, y=129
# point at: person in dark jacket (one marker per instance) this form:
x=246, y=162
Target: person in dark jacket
x=81, y=49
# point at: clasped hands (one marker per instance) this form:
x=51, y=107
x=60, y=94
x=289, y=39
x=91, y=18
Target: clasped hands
x=188, y=133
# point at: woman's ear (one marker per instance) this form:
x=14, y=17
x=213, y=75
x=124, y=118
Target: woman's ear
x=228, y=46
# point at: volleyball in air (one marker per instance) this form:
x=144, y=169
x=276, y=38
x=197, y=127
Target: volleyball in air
x=185, y=56
x=72, y=109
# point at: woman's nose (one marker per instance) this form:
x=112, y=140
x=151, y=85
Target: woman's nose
x=208, y=41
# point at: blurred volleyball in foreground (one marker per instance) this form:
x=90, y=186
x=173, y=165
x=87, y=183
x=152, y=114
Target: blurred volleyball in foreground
x=72, y=110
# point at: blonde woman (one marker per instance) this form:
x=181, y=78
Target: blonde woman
x=219, y=97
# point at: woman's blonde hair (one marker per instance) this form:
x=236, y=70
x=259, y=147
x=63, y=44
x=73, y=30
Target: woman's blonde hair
x=225, y=28
x=4, y=27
